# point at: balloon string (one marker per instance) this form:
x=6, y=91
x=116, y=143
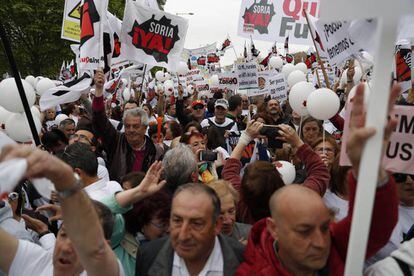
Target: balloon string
x=323, y=139
x=300, y=126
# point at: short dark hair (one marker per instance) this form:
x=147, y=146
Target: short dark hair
x=105, y=217
x=192, y=124
x=51, y=139
x=234, y=102
x=153, y=129
x=156, y=206
x=134, y=178
x=130, y=101
x=175, y=128
x=80, y=156
x=198, y=188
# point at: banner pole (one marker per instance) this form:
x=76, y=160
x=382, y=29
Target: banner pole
x=16, y=75
x=325, y=75
x=142, y=84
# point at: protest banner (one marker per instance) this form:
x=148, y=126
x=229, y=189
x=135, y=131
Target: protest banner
x=275, y=20
x=399, y=153
x=152, y=36
x=263, y=85
x=247, y=75
x=201, y=51
x=91, y=50
x=71, y=21
x=228, y=80
x=278, y=87
x=403, y=65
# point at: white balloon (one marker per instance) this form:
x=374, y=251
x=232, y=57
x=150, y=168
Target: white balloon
x=167, y=76
x=301, y=66
x=190, y=89
x=17, y=127
x=287, y=69
x=160, y=76
x=298, y=97
x=4, y=115
x=35, y=111
x=59, y=118
x=10, y=97
x=287, y=171
x=295, y=77
x=182, y=68
x=323, y=104
x=168, y=87
x=214, y=80
x=276, y=62
x=43, y=85
x=367, y=91
x=37, y=79
x=30, y=79
x=126, y=94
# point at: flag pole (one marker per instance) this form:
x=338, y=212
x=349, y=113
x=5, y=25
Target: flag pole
x=325, y=75
x=142, y=84
x=16, y=75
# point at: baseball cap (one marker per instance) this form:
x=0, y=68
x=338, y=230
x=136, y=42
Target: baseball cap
x=197, y=102
x=222, y=102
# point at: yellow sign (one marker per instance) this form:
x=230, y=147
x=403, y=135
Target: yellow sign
x=71, y=21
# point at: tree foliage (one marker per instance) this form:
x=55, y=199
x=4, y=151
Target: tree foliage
x=34, y=30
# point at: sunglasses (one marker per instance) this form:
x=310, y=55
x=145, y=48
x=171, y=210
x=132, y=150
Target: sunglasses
x=198, y=107
x=401, y=177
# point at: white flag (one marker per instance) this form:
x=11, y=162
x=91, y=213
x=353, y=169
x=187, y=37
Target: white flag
x=91, y=41
x=65, y=93
x=152, y=36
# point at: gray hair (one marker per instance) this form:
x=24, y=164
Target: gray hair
x=137, y=112
x=179, y=163
x=66, y=122
x=197, y=188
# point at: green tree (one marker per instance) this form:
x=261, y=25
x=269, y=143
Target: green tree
x=34, y=29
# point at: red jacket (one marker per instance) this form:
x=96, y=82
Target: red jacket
x=317, y=178
x=260, y=258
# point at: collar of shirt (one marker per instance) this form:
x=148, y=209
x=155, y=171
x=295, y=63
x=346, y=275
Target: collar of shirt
x=213, y=266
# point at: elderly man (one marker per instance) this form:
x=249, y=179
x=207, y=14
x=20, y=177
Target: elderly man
x=81, y=246
x=128, y=151
x=195, y=246
x=67, y=126
x=300, y=238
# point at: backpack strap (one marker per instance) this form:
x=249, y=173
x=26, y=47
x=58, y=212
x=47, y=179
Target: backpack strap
x=119, y=126
x=403, y=266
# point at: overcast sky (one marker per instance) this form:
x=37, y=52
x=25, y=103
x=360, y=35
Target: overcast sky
x=212, y=21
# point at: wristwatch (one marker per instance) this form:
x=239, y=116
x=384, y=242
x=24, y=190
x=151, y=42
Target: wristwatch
x=76, y=187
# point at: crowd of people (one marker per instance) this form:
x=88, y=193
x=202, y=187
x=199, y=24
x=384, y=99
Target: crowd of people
x=164, y=185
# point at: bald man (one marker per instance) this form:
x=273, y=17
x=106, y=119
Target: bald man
x=301, y=238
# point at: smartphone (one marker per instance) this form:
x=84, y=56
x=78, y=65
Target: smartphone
x=208, y=155
x=270, y=131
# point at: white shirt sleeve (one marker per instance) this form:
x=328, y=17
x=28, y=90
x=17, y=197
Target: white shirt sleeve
x=48, y=241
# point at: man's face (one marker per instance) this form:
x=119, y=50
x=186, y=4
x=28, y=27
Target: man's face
x=245, y=102
x=220, y=113
x=82, y=136
x=130, y=106
x=69, y=130
x=171, y=110
x=273, y=107
x=134, y=130
x=198, y=111
x=154, y=138
x=65, y=258
x=228, y=212
x=302, y=232
x=192, y=228
x=406, y=191
x=50, y=114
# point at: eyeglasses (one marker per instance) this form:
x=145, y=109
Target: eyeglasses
x=401, y=177
x=80, y=136
x=198, y=107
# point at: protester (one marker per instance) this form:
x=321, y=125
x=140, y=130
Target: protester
x=195, y=246
x=81, y=242
x=67, y=126
x=129, y=151
x=300, y=239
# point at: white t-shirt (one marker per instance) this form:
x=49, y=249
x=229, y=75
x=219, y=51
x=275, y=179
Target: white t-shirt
x=339, y=205
x=31, y=259
x=227, y=121
x=102, y=189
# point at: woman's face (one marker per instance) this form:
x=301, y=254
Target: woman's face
x=147, y=110
x=197, y=144
x=168, y=132
x=311, y=132
x=50, y=114
x=155, y=229
x=327, y=153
